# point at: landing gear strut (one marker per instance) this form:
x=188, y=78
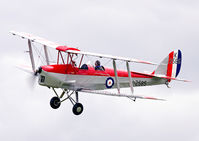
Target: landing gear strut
x=56, y=101
x=77, y=107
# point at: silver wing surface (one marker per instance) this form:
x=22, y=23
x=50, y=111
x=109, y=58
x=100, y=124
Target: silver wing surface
x=120, y=95
x=54, y=45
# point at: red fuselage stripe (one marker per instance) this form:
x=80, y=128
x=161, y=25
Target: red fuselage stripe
x=69, y=69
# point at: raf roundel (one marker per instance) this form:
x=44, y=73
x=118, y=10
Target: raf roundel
x=109, y=82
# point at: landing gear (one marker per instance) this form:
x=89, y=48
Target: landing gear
x=56, y=101
x=78, y=109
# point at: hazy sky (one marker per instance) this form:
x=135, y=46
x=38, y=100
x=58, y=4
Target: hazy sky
x=142, y=29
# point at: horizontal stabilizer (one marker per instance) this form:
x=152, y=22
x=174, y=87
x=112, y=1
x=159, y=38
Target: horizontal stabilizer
x=166, y=77
x=171, y=78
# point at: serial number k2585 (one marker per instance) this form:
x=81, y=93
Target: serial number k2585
x=139, y=83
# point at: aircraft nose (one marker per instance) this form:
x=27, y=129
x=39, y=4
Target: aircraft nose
x=39, y=70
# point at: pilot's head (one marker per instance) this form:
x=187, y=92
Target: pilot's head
x=97, y=63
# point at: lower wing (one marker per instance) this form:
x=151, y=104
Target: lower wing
x=119, y=95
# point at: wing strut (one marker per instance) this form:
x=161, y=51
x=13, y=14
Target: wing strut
x=31, y=55
x=46, y=55
x=129, y=74
x=116, y=76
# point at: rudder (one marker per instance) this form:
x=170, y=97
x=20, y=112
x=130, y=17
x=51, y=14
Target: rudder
x=171, y=65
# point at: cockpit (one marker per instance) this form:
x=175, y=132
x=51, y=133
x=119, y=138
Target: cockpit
x=86, y=67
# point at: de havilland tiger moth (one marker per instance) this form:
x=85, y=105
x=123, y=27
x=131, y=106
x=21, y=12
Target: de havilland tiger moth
x=78, y=77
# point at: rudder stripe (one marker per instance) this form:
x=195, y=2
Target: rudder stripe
x=179, y=62
x=170, y=64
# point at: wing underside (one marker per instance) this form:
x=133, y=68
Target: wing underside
x=108, y=93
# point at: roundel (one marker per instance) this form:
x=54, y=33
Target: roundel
x=109, y=82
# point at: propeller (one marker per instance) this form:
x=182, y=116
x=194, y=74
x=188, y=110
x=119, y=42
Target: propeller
x=38, y=71
x=33, y=77
x=31, y=80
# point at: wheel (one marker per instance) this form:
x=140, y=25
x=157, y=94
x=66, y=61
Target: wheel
x=55, y=102
x=78, y=109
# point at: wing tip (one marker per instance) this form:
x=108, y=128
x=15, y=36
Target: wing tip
x=153, y=98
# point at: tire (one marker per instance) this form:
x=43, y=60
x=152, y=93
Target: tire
x=55, y=102
x=78, y=109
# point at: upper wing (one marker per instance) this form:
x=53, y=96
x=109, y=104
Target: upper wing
x=112, y=57
x=36, y=39
x=74, y=50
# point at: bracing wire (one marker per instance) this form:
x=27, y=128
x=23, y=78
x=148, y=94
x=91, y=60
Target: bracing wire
x=39, y=55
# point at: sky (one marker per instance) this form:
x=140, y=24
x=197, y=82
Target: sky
x=143, y=29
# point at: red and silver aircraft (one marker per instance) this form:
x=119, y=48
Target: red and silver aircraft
x=74, y=77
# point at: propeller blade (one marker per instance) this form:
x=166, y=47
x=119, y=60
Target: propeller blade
x=31, y=80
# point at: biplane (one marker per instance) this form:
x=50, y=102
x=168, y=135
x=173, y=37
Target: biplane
x=78, y=77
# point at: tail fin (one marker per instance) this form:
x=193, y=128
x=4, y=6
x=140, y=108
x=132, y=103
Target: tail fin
x=171, y=65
